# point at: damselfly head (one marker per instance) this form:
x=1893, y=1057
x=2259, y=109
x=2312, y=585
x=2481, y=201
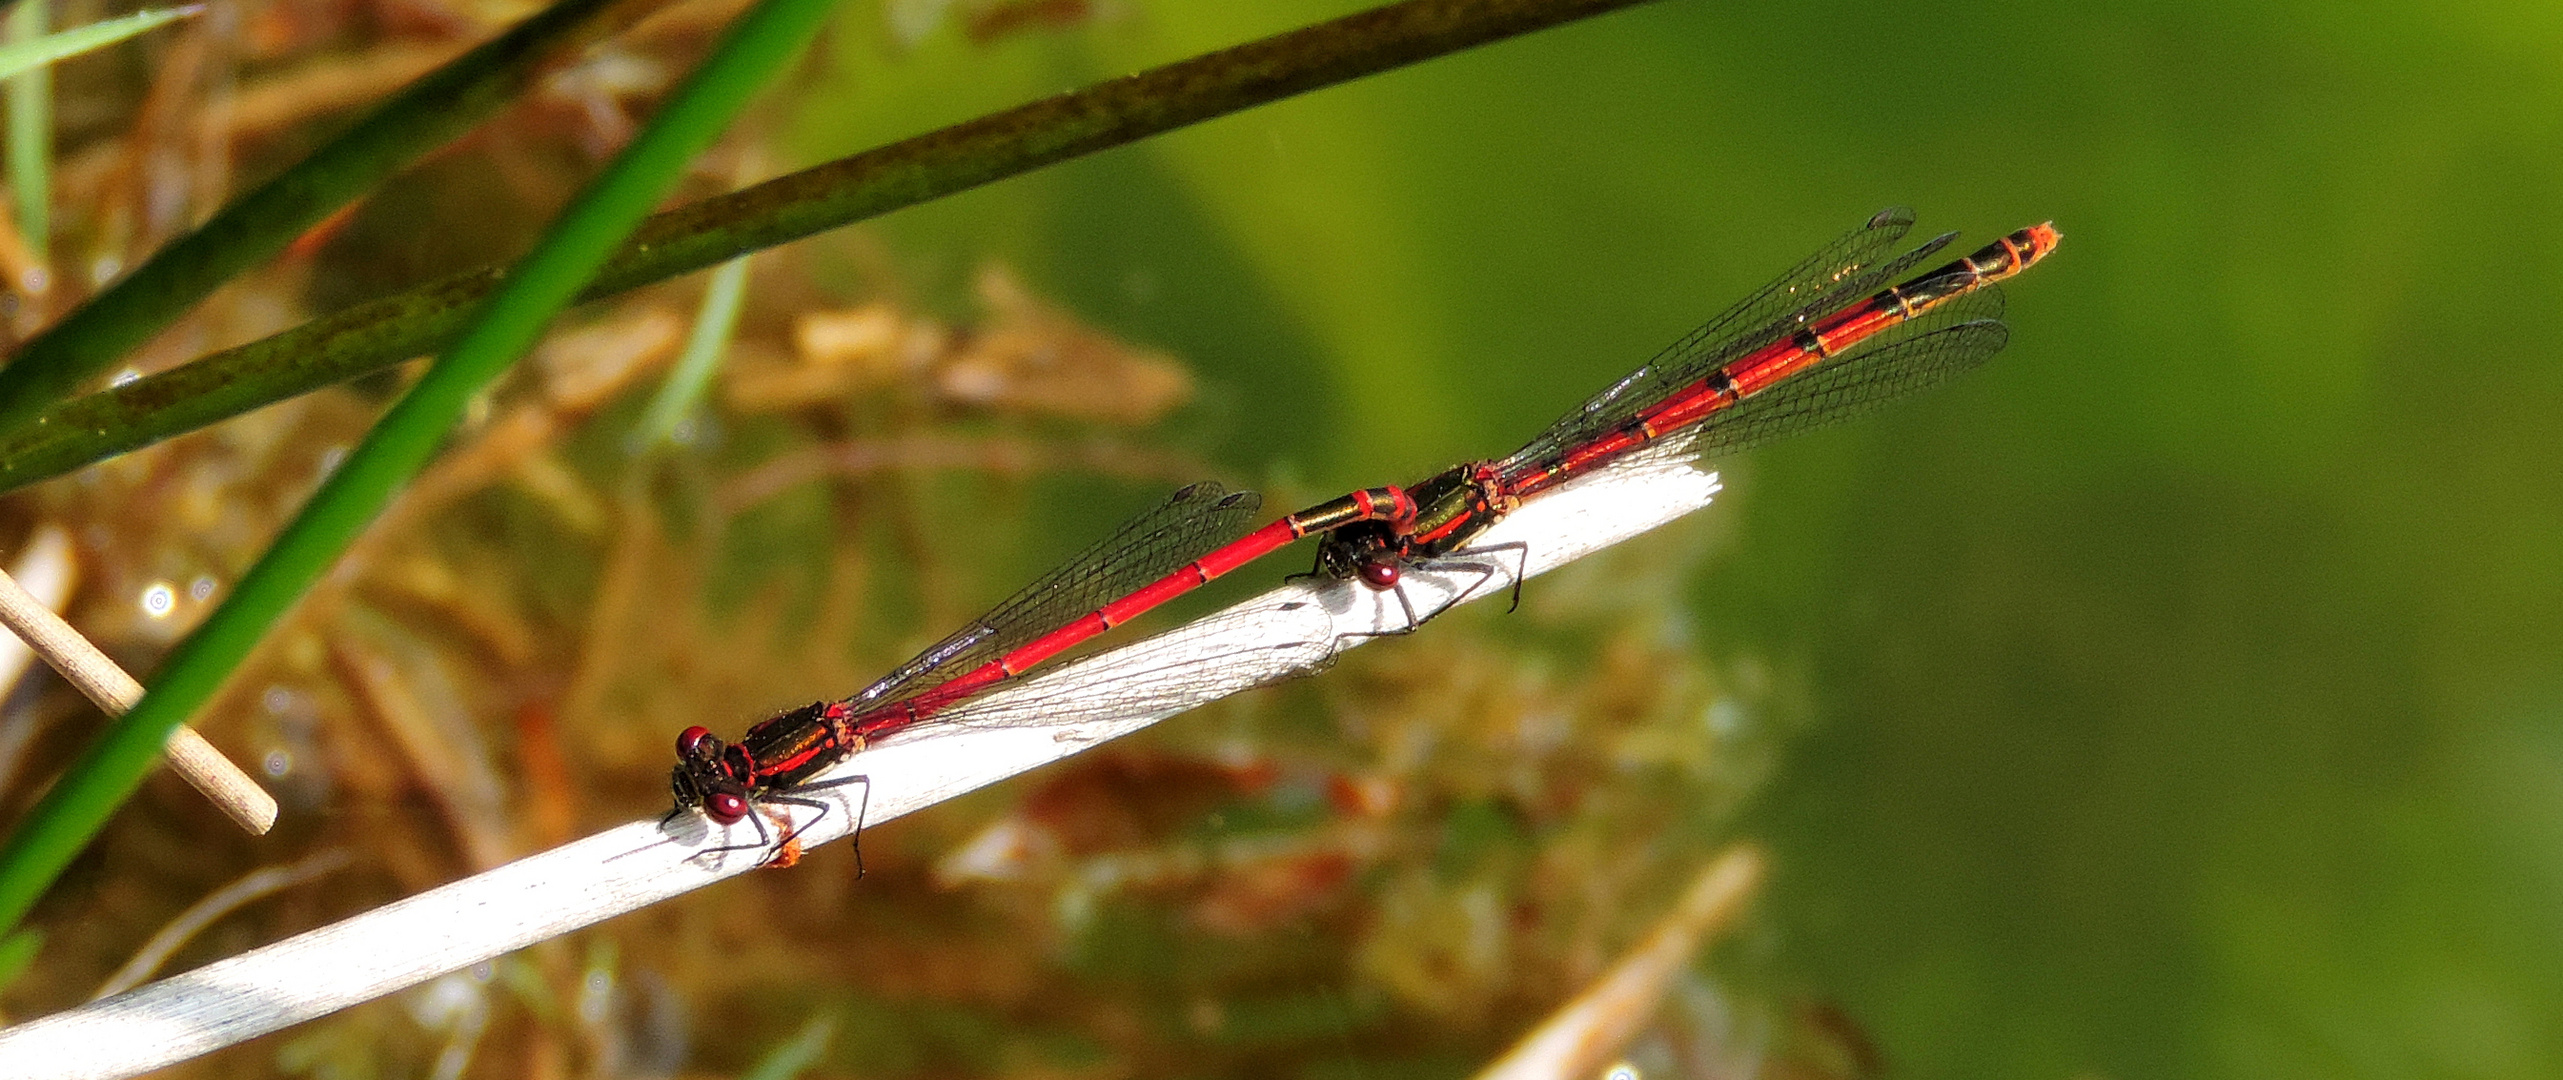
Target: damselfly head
x=700, y=783
x=688, y=786
x=697, y=742
x=703, y=778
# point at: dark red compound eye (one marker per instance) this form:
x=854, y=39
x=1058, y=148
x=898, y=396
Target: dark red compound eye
x=1380, y=574
x=690, y=738
x=725, y=807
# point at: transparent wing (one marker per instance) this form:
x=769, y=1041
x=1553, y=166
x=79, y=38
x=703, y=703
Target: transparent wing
x=1182, y=669
x=1843, y=271
x=1183, y=528
x=1907, y=359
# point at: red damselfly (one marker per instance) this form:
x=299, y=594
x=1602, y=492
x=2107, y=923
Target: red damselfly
x=1830, y=339
x=779, y=759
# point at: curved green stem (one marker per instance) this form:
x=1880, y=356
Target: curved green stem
x=749, y=56
x=30, y=137
x=376, y=335
x=32, y=48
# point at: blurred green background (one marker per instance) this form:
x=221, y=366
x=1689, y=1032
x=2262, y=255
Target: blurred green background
x=2183, y=688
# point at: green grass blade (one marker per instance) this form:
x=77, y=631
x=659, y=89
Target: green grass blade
x=30, y=149
x=756, y=48
x=704, y=348
x=17, y=950
x=425, y=115
x=28, y=51
x=376, y=335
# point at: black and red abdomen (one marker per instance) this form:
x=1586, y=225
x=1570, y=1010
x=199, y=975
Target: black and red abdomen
x=1393, y=505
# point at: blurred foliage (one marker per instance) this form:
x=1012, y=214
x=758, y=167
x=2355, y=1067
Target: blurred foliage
x=2175, y=697
x=2184, y=685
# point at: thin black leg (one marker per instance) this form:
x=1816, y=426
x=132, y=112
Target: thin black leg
x=763, y=839
x=862, y=808
x=1521, y=568
x=794, y=800
x=1414, y=620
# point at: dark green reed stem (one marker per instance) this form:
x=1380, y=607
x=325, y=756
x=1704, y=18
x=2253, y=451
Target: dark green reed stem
x=425, y=115
x=375, y=335
x=756, y=48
